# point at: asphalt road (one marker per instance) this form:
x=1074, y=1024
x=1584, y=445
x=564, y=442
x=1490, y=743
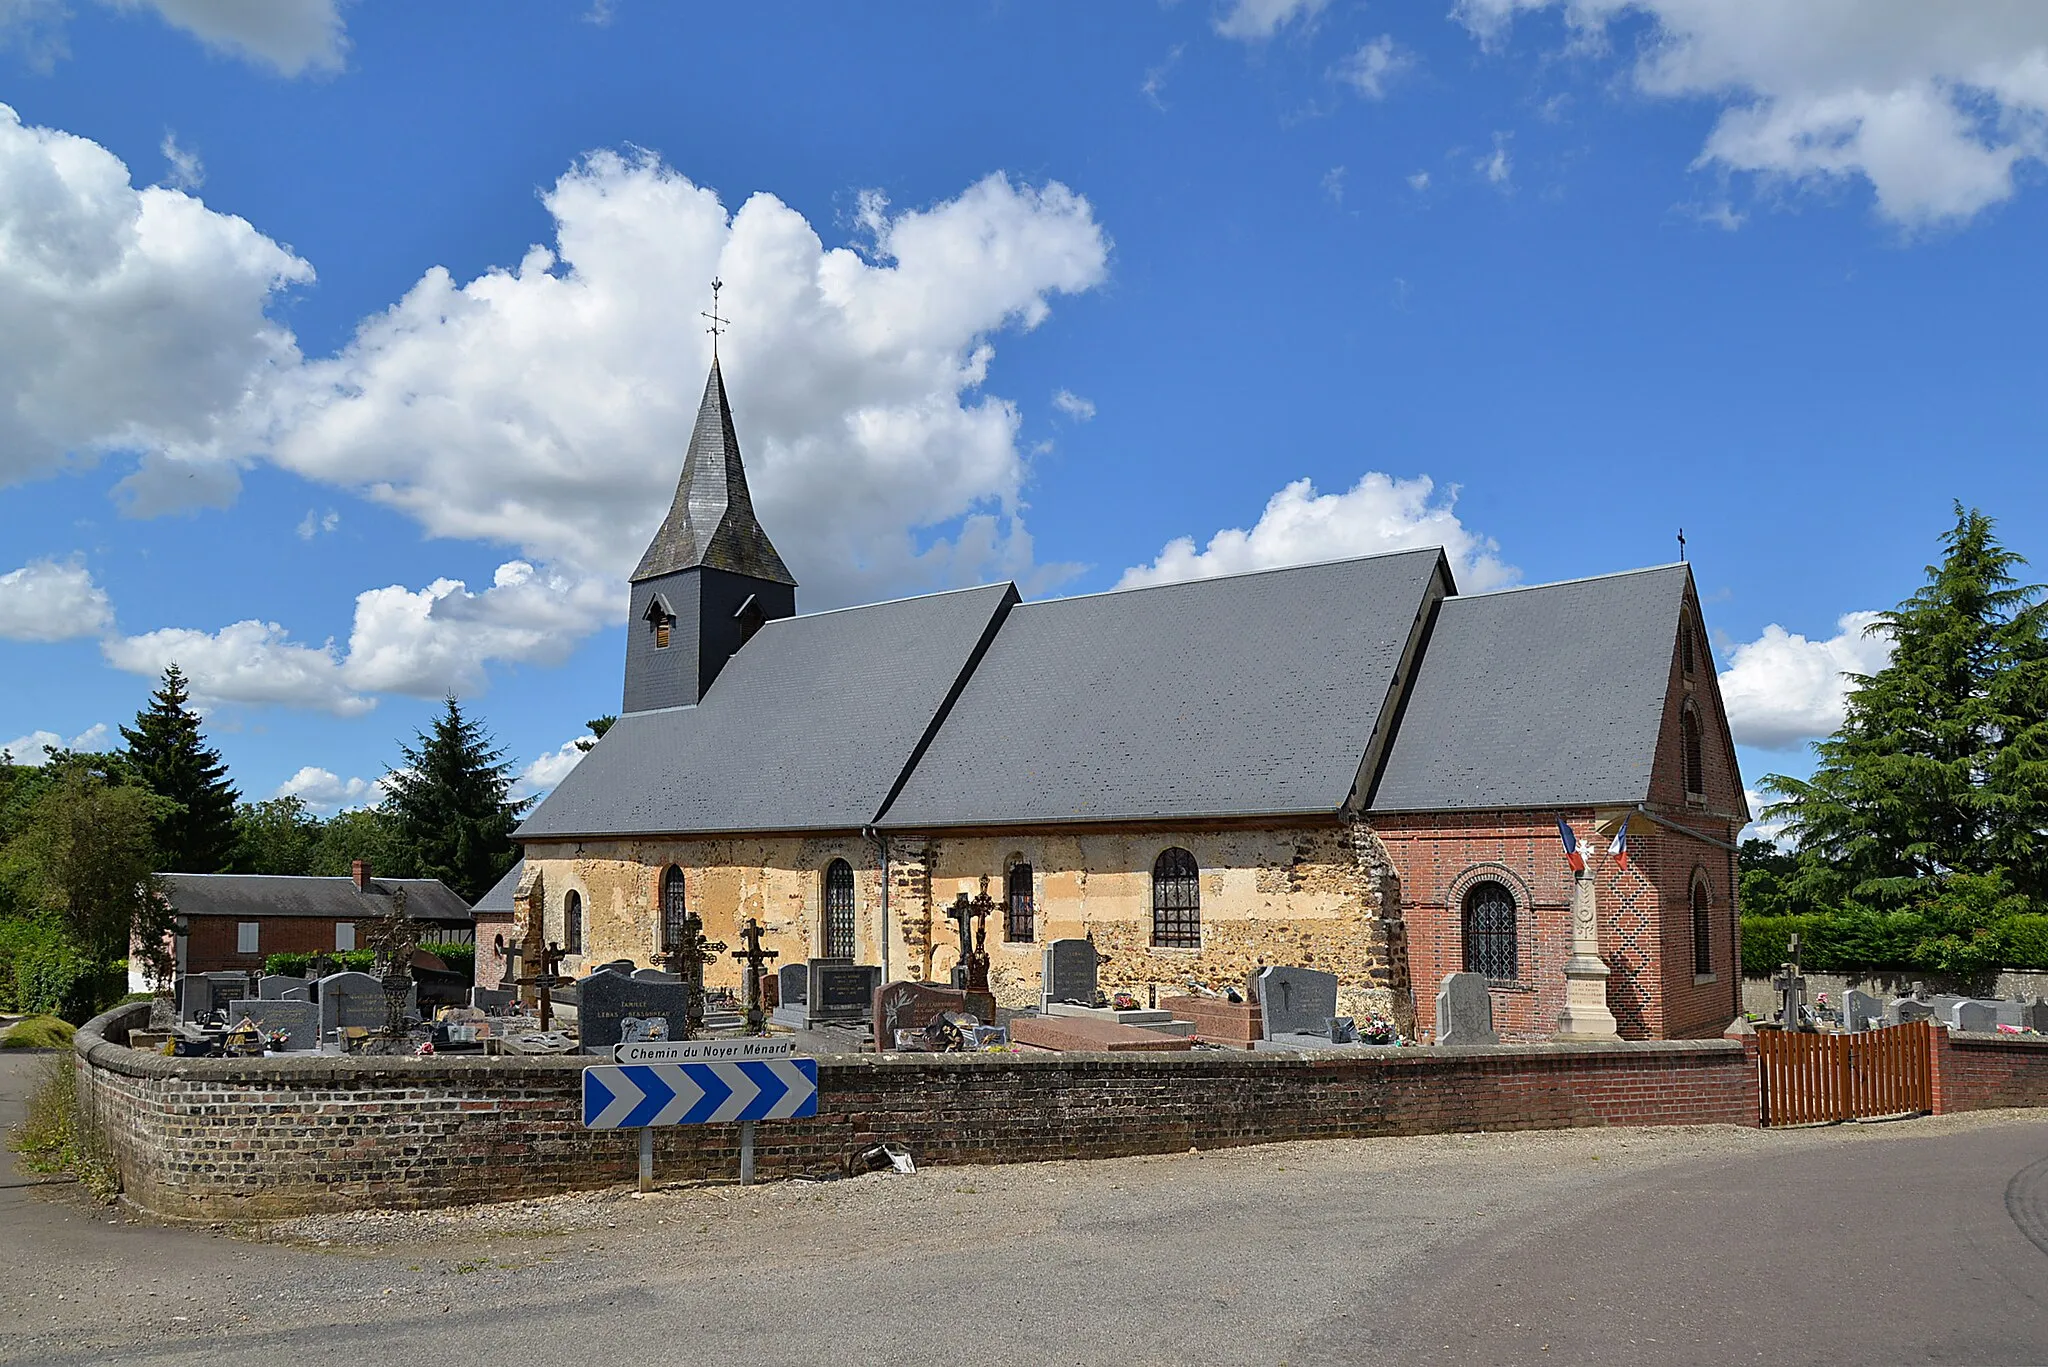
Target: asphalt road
x=1917, y=1241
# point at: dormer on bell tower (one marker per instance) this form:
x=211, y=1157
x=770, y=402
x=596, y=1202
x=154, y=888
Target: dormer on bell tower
x=710, y=578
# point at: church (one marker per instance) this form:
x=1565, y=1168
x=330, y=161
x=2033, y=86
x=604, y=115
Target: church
x=1348, y=766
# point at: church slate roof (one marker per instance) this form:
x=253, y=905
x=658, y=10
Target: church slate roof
x=251, y=895
x=1254, y=694
x=809, y=727
x=712, y=522
x=498, y=901
x=1539, y=697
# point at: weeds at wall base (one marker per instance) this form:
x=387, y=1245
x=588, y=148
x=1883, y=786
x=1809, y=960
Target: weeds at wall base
x=51, y=1137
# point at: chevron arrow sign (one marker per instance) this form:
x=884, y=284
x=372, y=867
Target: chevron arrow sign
x=629, y=1096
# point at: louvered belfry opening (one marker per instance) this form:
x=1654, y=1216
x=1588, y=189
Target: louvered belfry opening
x=839, y=936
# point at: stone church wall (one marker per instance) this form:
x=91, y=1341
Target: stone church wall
x=1321, y=895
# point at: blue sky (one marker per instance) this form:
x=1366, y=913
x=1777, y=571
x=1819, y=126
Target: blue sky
x=1073, y=294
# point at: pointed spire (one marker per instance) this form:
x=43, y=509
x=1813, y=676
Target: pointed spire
x=712, y=522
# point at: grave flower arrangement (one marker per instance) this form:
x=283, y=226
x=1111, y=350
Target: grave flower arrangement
x=1375, y=1028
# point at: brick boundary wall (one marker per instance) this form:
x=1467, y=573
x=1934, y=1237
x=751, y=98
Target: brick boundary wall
x=232, y=1138
x=1975, y=1072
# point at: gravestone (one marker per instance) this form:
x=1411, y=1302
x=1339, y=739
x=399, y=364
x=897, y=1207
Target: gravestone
x=353, y=999
x=790, y=981
x=1944, y=1006
x=653, y=975
x=278, y=987
x=1464, y=1011
x=492, y=998
x=1975, y=1017
x=199, y=993
x=831, y=991
x=604, y=1001
x=624, y=966
x=2024, y=1014
x=911, y=1006
x=301, y=1019
x=1069, y=972
x=1296, y=1001
x=1907, y=1009
x=1860, y=1010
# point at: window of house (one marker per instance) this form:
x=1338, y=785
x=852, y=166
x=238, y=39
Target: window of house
x=1689, y=734
x=1702, y=928
x=839, y=938
x=1176, y=900
x=344, y=936
x=1489, y=918
x=245, y=937
x=673, y=909
x=1018, y=923
x=572, y=923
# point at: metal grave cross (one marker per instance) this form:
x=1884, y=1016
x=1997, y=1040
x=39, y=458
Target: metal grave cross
x=754, y=957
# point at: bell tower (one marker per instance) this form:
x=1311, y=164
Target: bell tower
x=710, y=577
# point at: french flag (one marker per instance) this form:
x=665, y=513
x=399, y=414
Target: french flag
x=1617, y=849
x=1571, y=847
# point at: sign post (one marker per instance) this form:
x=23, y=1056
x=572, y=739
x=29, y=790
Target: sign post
x=745, y=1085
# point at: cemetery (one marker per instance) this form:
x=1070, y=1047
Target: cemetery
x=284, y=1096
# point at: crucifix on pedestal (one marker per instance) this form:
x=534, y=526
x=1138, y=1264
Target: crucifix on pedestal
x=545, y=977
x=754, y=957
x=686, y=959
x=970, y=920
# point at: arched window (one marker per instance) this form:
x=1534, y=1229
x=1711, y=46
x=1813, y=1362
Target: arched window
x=1490, y=931
x=1685, y=644
x=572, y=923
x=1176, y=900
x=1702, y=926
x=1689, y=734
x=673, y=909
x=1017, y=910
x=838, y=910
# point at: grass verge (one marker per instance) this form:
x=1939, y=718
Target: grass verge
x=39, y=1032
x=53, y=1138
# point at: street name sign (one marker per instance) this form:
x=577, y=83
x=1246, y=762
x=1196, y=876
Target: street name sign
x=703, y=1050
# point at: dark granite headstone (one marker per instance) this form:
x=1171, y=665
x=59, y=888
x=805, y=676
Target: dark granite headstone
x=604, y=1000
x=911, y=1006
x=300, y=1019
x=491, y=998
x=1296, y=1001
x=1464, y=1011
x=1908, y=1009
x=280, y=987
x=790, y=981
x=354, y=999
x=625, y=966
x=1068, y=973
x=653, y=975
x=1860, y=1010
x=199, y=993
x=842, y=991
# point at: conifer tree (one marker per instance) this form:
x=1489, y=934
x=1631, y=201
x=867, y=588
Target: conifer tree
x=1936, y=785
x=450, y=799
x=169, y=756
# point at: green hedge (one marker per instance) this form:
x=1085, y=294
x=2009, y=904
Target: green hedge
x=1855, y=941
x=460, y=958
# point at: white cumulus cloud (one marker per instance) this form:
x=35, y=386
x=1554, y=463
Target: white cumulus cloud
x=1073, y=405
x=291, y=36
x=50, y=600
x=327, y=792
x=1254, y=21
x=29, y=749
x=134, y=319
x=1300, y=526
x=1935, y=105
x=245, y=662
x=437, y=639
x=1782, y=688
x=540, y=777
x=548, y=407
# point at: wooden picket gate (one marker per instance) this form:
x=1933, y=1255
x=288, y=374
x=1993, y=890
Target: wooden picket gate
x=1815, y=1079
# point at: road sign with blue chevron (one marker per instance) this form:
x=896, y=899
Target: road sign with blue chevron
x=628, y=1096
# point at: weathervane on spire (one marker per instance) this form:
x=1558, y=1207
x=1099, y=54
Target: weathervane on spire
x=718, y=324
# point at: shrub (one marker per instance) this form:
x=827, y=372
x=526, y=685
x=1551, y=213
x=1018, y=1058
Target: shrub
x=2024, y=940
x=288, y=965
x=39, y=1032
x=53, y=980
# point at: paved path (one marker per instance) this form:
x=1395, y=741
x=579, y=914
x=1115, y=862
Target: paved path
x=1921, y=1241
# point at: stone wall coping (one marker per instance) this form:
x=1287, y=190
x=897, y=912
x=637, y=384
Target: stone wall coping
x=100, y=1052
x=1983, y=1038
